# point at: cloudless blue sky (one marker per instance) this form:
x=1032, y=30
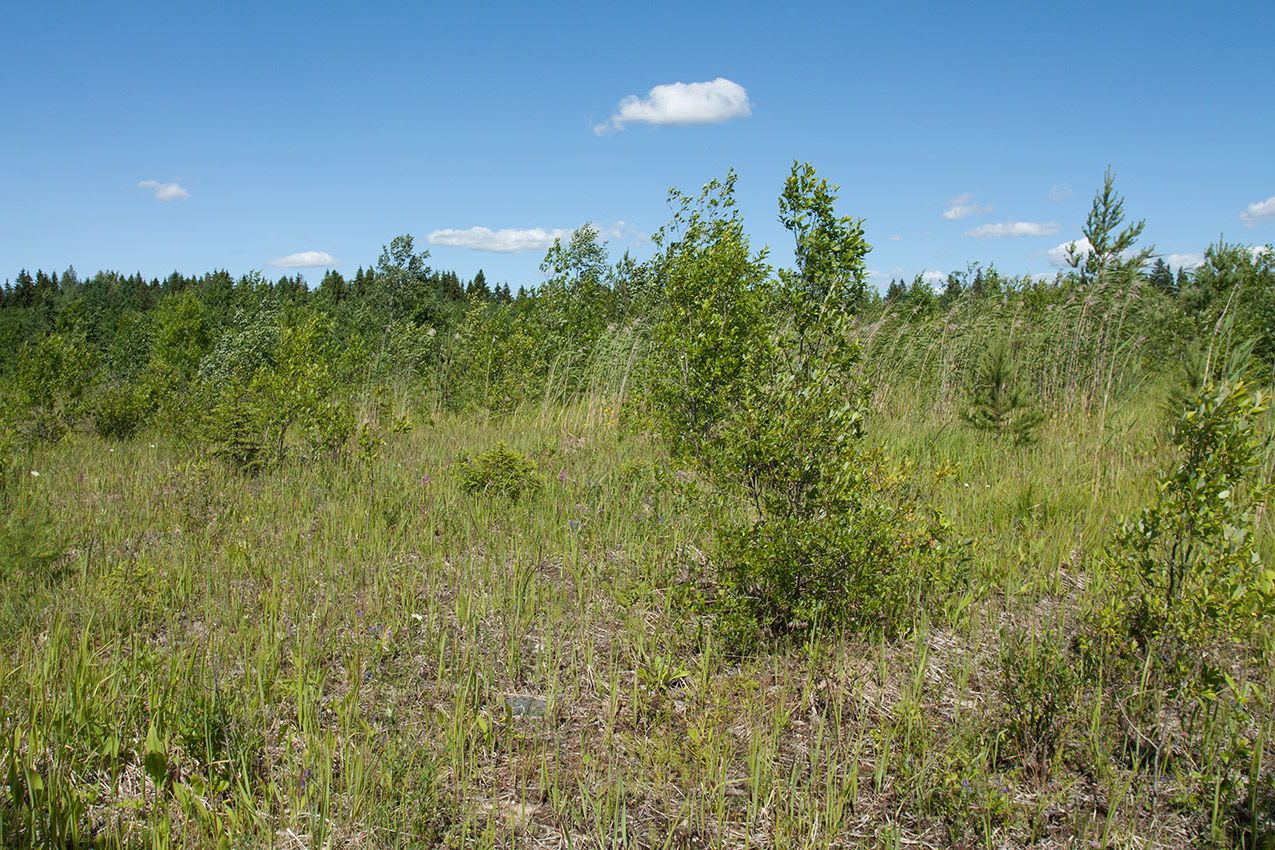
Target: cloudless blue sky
x=331, y=128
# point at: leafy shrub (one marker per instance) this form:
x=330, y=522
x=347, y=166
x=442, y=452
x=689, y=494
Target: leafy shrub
x=500, y=471
x=1199, y=594
x=1038, y=685
x=50, y=380
x=118, y=412
x=754, y=381
x=248, y=420
x=1192, y=553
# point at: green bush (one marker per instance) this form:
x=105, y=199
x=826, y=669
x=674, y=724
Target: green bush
x=118, y=412
x=1038, y=686
x=50, y=380
x=755, y=382
x=248, y=418
x=501, y=471
x=1191, y=555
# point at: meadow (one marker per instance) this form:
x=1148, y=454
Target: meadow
x=506, y=614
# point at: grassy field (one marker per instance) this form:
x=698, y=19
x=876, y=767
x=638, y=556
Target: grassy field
x=357, y=653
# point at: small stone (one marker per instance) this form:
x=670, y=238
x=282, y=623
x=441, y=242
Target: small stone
x=526, y=706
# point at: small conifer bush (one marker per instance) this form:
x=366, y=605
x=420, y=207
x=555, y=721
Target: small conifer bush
x=501, y=471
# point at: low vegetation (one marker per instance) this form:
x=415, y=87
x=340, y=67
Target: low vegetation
x=686, y=553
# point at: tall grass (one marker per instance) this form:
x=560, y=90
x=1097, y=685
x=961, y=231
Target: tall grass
x=359, y=653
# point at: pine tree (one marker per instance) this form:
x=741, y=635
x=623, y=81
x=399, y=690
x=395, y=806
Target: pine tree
x=998, y=404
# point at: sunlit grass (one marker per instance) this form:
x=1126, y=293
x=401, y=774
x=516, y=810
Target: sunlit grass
x=338, y=653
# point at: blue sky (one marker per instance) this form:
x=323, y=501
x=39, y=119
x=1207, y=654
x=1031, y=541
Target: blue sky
x=155, y=137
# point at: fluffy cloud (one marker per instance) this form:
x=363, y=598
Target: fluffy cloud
x=1010, y=229
x=165, y=191
x=962, y=206
x=682, y=103
x=1184, y=261
x=1253, y=212
x=934, y=278
x=1058, y=256
x=506, y=241
x=513, y=241
x=305, y=260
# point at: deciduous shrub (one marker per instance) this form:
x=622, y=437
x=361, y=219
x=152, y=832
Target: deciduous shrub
x=118, y=412
x=755, y=382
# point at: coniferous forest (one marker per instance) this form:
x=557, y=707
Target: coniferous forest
x=693, y=551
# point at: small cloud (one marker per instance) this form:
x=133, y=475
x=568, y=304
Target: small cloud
x=1184, y=261
x=1258, y=250
x=515, y=241
x=933, y=277
x=1058, y=256
x=305, y=260
x=962, y=206
x=165, y=191
x=1060, y=192
x=679, y=104
x=1011, y=229
x=622, y=231
x=506, y=241
x=1254, y=212
x=896, y=238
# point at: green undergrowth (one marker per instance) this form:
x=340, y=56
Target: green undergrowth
x=330, y=652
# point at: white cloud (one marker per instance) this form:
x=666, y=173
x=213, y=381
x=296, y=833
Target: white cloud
x=1253, y=212
x=305, y=260
x=1060, y=192
x=515, y=241
x=505, y=241
x=1011, y=229
x=933, y=277
x=622, y=231
x=681, y=104
x=896, y=238
x=165, y=191
x=1184, y=261
x=1258, y=250
x=1058, y=256
x=962, y=206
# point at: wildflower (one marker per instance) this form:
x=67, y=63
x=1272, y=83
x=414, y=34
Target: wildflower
x=562, y=476
x=425, y=479
x=35, y=474
x=430, y=332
